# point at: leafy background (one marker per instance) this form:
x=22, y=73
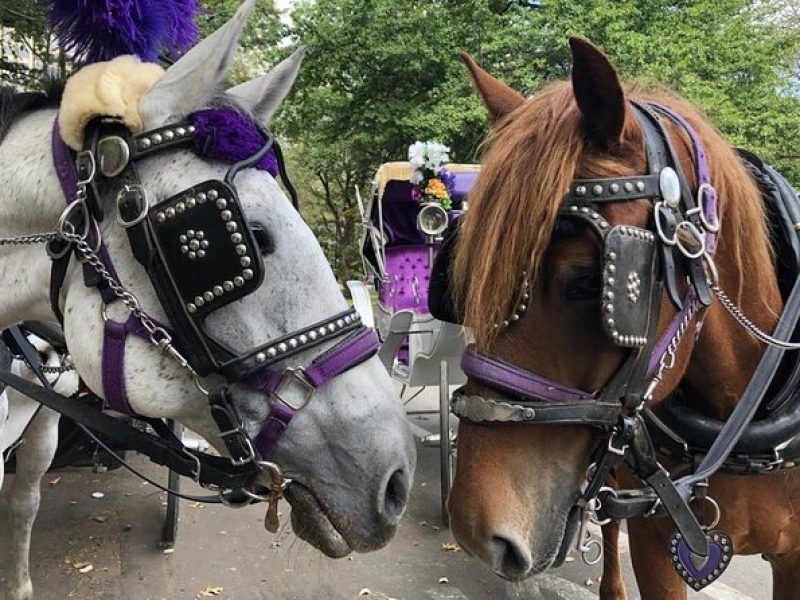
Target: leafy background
x=380, y=74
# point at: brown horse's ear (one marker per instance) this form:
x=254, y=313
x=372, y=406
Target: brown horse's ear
x=598, y=93
x=499, y=98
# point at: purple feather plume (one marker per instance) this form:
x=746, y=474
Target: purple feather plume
x=97, y=30
x=227, y=135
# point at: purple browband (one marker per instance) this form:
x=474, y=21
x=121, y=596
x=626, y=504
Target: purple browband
x=510, y=378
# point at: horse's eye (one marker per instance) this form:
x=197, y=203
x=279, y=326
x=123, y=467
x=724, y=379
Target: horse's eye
x=583, y=285
x=263, y=238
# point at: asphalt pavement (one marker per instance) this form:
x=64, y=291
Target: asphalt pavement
x=108, y=548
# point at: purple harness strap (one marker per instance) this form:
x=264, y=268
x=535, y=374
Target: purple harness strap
x=345, y=355
x=510, y=378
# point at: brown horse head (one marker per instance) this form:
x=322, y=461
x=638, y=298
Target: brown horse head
x=516, y=484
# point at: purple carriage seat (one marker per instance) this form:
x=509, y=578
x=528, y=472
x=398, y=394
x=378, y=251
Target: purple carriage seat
x=409, y=274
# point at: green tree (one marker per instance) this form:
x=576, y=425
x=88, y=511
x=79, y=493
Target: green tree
x=379, y=76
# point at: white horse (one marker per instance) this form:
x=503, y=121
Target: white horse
x=349, y=451
x=19, y=416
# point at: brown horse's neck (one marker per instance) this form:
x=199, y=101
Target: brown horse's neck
x=725, y=355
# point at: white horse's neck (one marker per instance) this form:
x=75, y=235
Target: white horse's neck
x=31, y=203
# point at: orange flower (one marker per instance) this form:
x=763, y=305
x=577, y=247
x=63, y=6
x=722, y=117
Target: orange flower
x=436, y=188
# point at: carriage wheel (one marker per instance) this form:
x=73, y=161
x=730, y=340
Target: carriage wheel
x=445, y=439
x=170, y=532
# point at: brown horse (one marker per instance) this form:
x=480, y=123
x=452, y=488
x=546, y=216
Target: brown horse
x=516, y=483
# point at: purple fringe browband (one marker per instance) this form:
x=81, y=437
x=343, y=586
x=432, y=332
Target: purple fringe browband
x=227, y=135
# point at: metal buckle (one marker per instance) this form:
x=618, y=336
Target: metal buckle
x=85, y=154
x=296, y=374
x=130, y=188
x=197, y=464
x=613, y=449
x=251, y=452
x=659, y=227
x=699, y=237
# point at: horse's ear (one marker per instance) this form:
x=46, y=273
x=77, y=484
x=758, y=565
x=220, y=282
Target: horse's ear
x=264, y=95
x=598, y=93
x=191, y=82
x=498, y=97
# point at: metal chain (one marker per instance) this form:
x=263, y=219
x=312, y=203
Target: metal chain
x=748, y=325
x=34, y=238
x=158, y=335
x=667, y=360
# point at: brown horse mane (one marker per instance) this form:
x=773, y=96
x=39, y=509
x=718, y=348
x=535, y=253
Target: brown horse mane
x=531, y=157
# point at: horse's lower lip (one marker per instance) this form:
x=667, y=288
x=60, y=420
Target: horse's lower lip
x=312, y=524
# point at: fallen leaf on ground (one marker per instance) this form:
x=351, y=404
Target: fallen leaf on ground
x=100, y=518
x=169, y=550
x=211, y=591
x=197, y=505
x=55, y=481
x=86, y=569
x=364, y=592
x=588, y=582
x=451, y=547
x=98, y=495
x=444, y=580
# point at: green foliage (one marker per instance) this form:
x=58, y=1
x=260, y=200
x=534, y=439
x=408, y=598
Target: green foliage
x=379, y=75
x=26, y=44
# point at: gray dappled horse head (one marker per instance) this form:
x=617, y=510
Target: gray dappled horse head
x=349, y=451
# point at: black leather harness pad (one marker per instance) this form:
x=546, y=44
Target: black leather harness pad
x=206, y=246
x=628, y=258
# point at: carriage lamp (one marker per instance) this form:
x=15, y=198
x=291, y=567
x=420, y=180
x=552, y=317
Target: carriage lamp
x=432, y=220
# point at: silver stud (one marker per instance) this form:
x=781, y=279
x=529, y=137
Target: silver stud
x=312, y=335
x=331, y=327
x=204, y=244
x=610, y=322
x=505, y=323
x=247, y=273
x=236, y=238
x=322, y=331
x=613, y=188
x=222, y=203
x=198, y=300
x=191, y=129
x=212, y=195
x=603, y=224
x=201, y=253
x=192, y=254
x=293, y=343
x=282, y=347
x=144, y=144
x=180, y=207
x=628, y=186
x=201, y=198
x=170, y=212
x=597, y=189
x=226, y=215
x=515, y=317
x=609, y=295
x=612, y=256
x=231, y=226
x=194, y=244
x=609, y=308
x=208, y=296
x=580, y=190
x=610, y=281
x=156, y=138
x=191, y=307
x=640, y=186
x=340, y=323
x=272, y=353
x=348, y=319
x=184, y=249
x=612, y=269
x=261, y=357
x=200, y=234
x=169, y=134
x=573, y=208
x=523, y=307
x=584, y=209
x=161, y=217
x=238, y=281
x=218, y=291
x=191, y=203
x=181, y=131
x=227, y=285
x=245, y=261
x=303, y=338
x=241, y=249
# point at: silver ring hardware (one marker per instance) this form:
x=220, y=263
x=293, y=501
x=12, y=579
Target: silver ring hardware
x=657, y=216
x=695, y=233
x=290, y=375
x=85, y=154
x=65, y=227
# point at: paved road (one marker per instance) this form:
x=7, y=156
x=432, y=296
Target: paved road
x=229, y=549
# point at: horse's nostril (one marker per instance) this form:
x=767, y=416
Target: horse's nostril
x=509, y=558
x=395, y=497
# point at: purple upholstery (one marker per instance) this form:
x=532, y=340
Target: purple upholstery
x=407, y=268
